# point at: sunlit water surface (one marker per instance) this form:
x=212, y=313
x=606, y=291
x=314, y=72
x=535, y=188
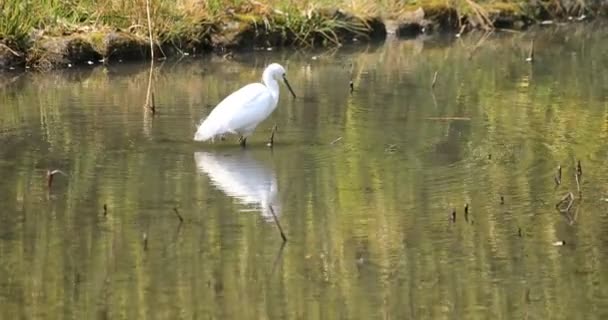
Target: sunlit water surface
x=363, y=183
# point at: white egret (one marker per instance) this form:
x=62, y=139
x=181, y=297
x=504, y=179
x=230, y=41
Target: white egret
x=243, y=110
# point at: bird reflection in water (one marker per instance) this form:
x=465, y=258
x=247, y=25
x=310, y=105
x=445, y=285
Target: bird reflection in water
x=239, y=175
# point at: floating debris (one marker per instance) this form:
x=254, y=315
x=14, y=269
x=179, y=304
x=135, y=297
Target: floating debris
x=453, y=215
x=352, y=86
x=519, y=231
x=336, y=140
x=559, y=243
x=558, y=176
x=390, y=148
x=105, y=210
x=502, y=200
x=466, y=212
x=434, y=80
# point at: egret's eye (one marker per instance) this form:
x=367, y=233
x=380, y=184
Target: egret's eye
x=283, y=75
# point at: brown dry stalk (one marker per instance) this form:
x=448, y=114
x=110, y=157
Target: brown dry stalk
x=481, y=14
x=149, y=102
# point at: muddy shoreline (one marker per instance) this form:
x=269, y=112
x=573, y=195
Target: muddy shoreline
x=89, y=46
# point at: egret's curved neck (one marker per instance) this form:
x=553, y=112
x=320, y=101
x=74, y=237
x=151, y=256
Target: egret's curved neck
x=272, y=84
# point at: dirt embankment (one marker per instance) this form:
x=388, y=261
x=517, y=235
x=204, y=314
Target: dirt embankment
x=238, y=32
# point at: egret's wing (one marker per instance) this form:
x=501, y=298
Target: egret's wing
x=219, y=120
x=252, y=109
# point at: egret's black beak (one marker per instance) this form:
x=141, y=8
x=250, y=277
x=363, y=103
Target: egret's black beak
x=288, y=86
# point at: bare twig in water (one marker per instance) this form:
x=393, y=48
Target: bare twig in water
x=434, y=80
x=573, y=218
x=336, y=140
x=278, y=257
x=578, y=185
x=479, y=43
x=530, y=57
x=558, y=176
x=276, y=220
x=569, y=199
x=271, y=140
x=579, y=169
x=145, y=239
x=50, y=174
x=179, y=216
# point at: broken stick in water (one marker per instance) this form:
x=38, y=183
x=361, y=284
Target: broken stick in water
x=50, y=174
x=568, y=199
x=579, y=169
x=179, y=216
x=434, y=80
x=578, y=184
x=145, y=239
x=336, y=140
x=558, y=176
x=276, y=220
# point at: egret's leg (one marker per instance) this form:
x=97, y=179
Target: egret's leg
x=271, y=140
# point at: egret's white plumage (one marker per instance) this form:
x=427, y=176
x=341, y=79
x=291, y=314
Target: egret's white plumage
x=240, y=175
x=242, y=111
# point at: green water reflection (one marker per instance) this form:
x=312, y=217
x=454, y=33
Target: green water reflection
x=367, y=217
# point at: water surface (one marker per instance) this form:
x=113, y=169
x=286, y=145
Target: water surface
x=368, y=216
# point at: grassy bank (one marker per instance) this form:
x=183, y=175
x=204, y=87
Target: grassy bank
x=46, y=33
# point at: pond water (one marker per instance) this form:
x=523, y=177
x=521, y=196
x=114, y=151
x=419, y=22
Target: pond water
x=363, y=183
